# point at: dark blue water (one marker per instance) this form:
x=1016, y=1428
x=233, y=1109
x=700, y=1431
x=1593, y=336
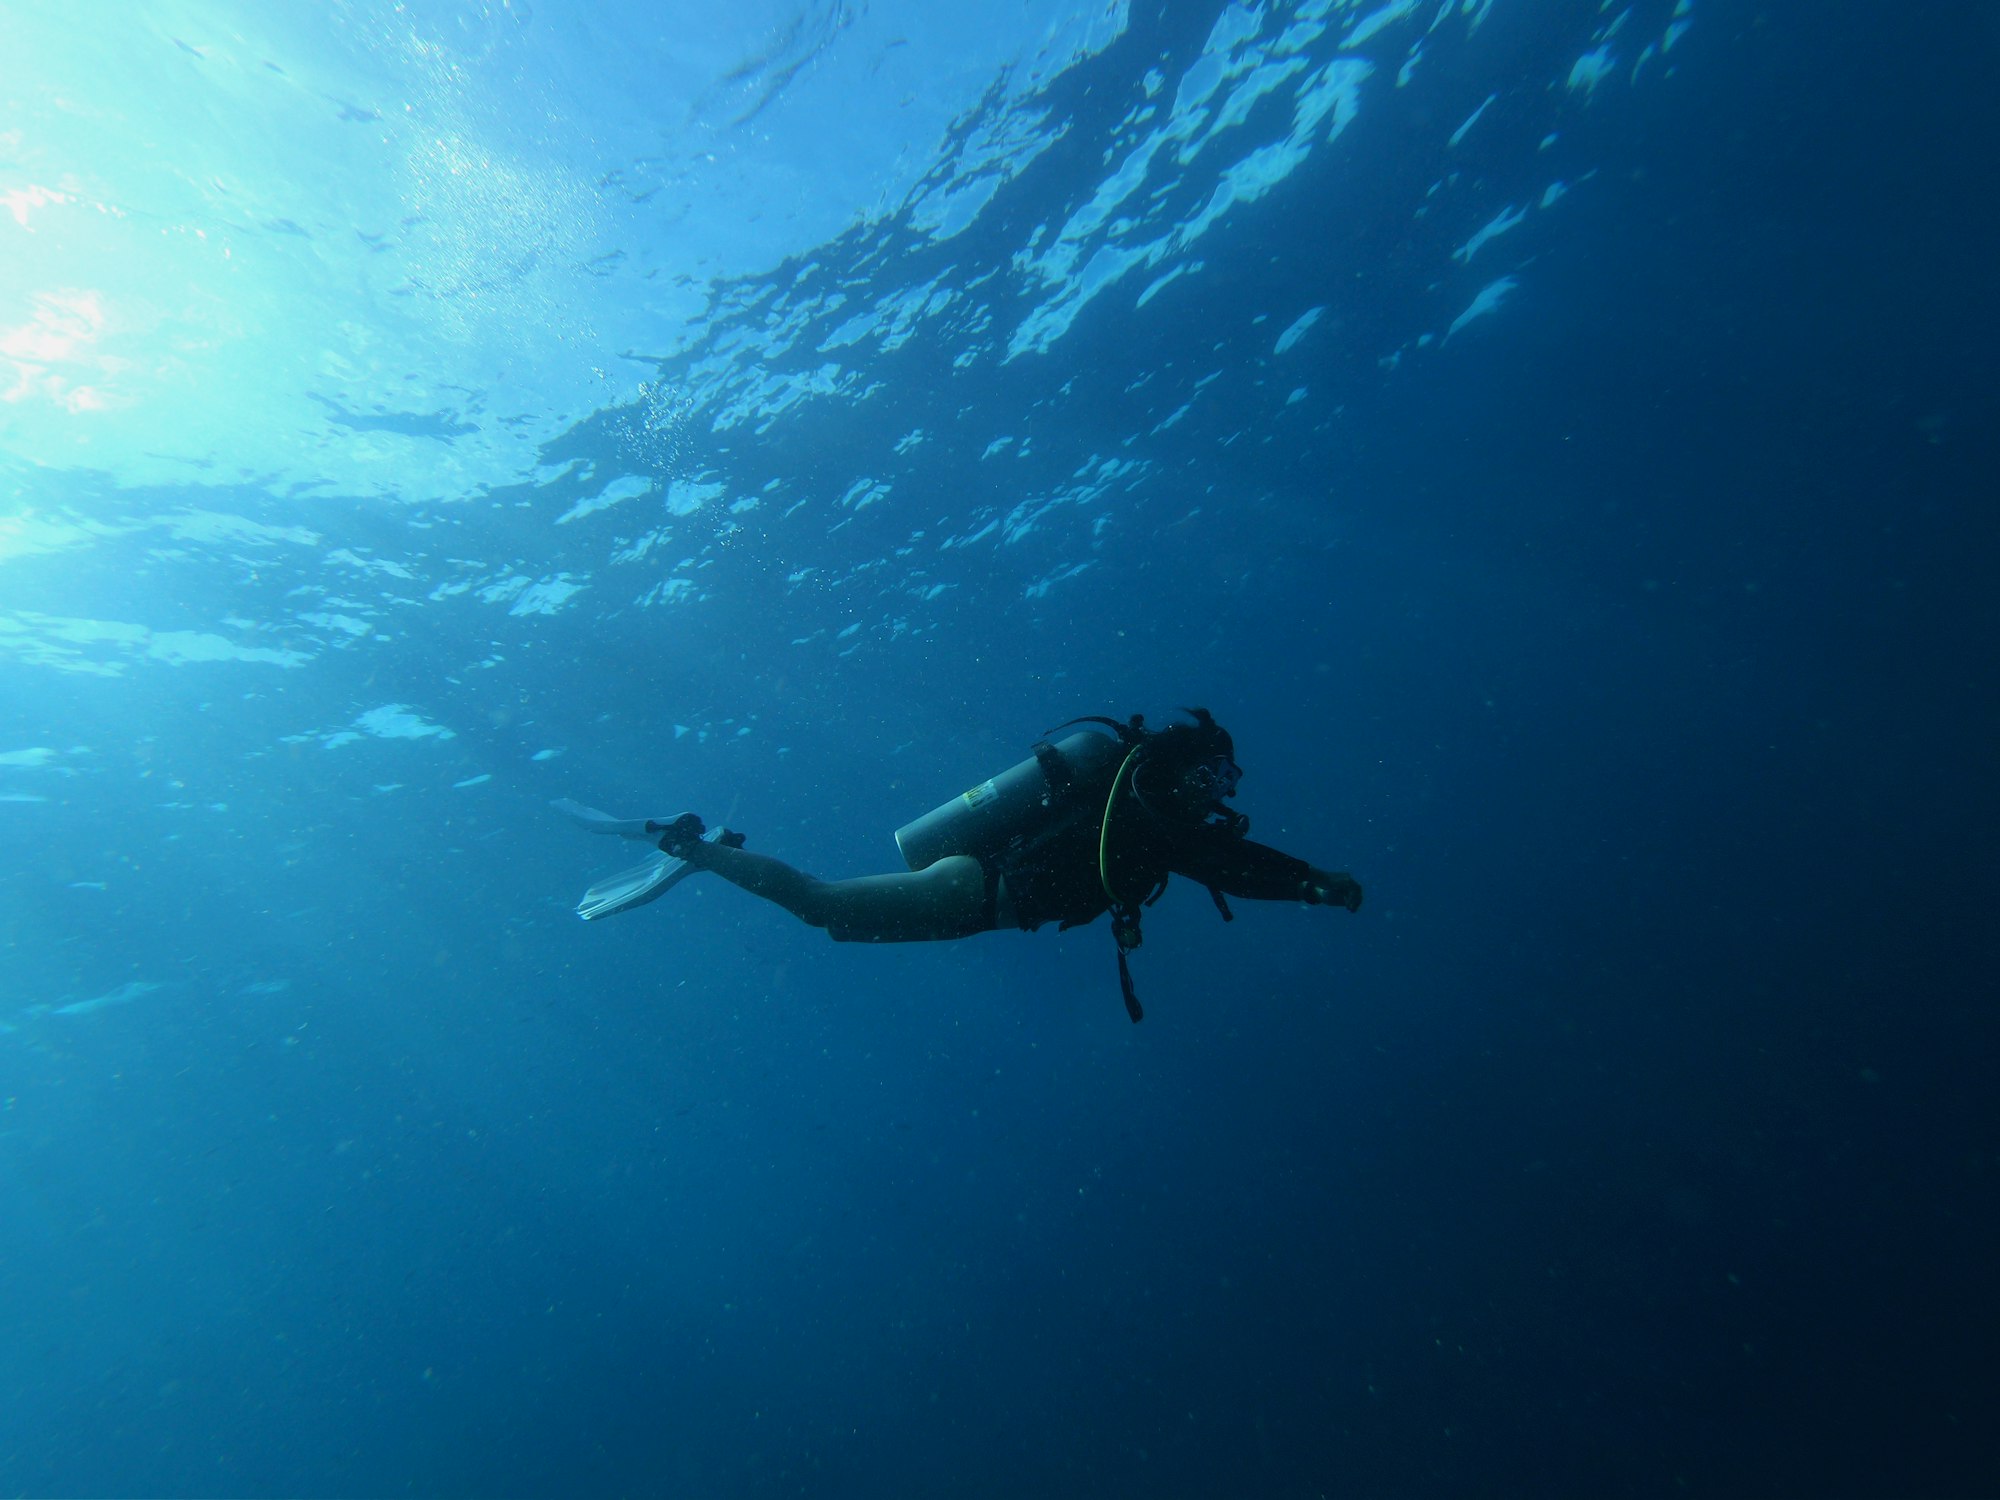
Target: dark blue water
x=1634, y=646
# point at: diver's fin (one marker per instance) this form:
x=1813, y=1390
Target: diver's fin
x=633, y=887
x=643, y=883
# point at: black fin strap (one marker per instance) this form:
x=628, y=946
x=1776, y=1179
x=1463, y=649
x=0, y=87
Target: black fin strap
x=1222, y=905
x=1132, y=1007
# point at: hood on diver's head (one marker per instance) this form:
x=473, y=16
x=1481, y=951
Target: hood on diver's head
x=1185, y=770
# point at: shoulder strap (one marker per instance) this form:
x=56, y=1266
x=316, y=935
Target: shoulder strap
x=1131, y=731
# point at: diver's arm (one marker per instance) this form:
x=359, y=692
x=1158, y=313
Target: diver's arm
x=1257, y=872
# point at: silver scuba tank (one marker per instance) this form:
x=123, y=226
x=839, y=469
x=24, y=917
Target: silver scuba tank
x=1019, y=803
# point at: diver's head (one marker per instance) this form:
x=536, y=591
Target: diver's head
x=1187, y=770
x=1207, y=782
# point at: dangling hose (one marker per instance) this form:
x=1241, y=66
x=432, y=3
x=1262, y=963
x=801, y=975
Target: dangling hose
x=1104, y=828
x=1124, y=916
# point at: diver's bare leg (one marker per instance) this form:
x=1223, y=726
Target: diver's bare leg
x=943, y=900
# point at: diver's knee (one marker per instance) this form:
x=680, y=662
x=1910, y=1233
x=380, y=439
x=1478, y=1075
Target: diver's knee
x=818, y=904
x=957, y=874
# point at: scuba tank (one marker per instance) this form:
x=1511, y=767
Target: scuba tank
x=1019, y=805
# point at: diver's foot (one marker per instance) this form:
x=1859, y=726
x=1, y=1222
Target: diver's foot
x=679, y=835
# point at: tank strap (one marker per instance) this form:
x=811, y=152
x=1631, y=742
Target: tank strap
x=1055, y=770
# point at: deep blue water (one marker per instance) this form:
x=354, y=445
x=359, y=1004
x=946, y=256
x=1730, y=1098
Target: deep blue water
x=621, y=405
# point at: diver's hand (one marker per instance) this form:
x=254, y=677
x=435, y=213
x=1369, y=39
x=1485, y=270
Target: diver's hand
x=1326, y=888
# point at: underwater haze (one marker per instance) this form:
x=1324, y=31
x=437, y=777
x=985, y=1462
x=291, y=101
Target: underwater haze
x=1556, y=438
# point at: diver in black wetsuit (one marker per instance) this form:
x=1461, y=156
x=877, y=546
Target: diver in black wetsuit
x=1092, y=824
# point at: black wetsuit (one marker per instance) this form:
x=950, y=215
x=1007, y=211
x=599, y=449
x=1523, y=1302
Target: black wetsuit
x=1058, y=879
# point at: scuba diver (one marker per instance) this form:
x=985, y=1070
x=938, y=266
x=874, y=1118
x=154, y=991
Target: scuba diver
x=1092, y=823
